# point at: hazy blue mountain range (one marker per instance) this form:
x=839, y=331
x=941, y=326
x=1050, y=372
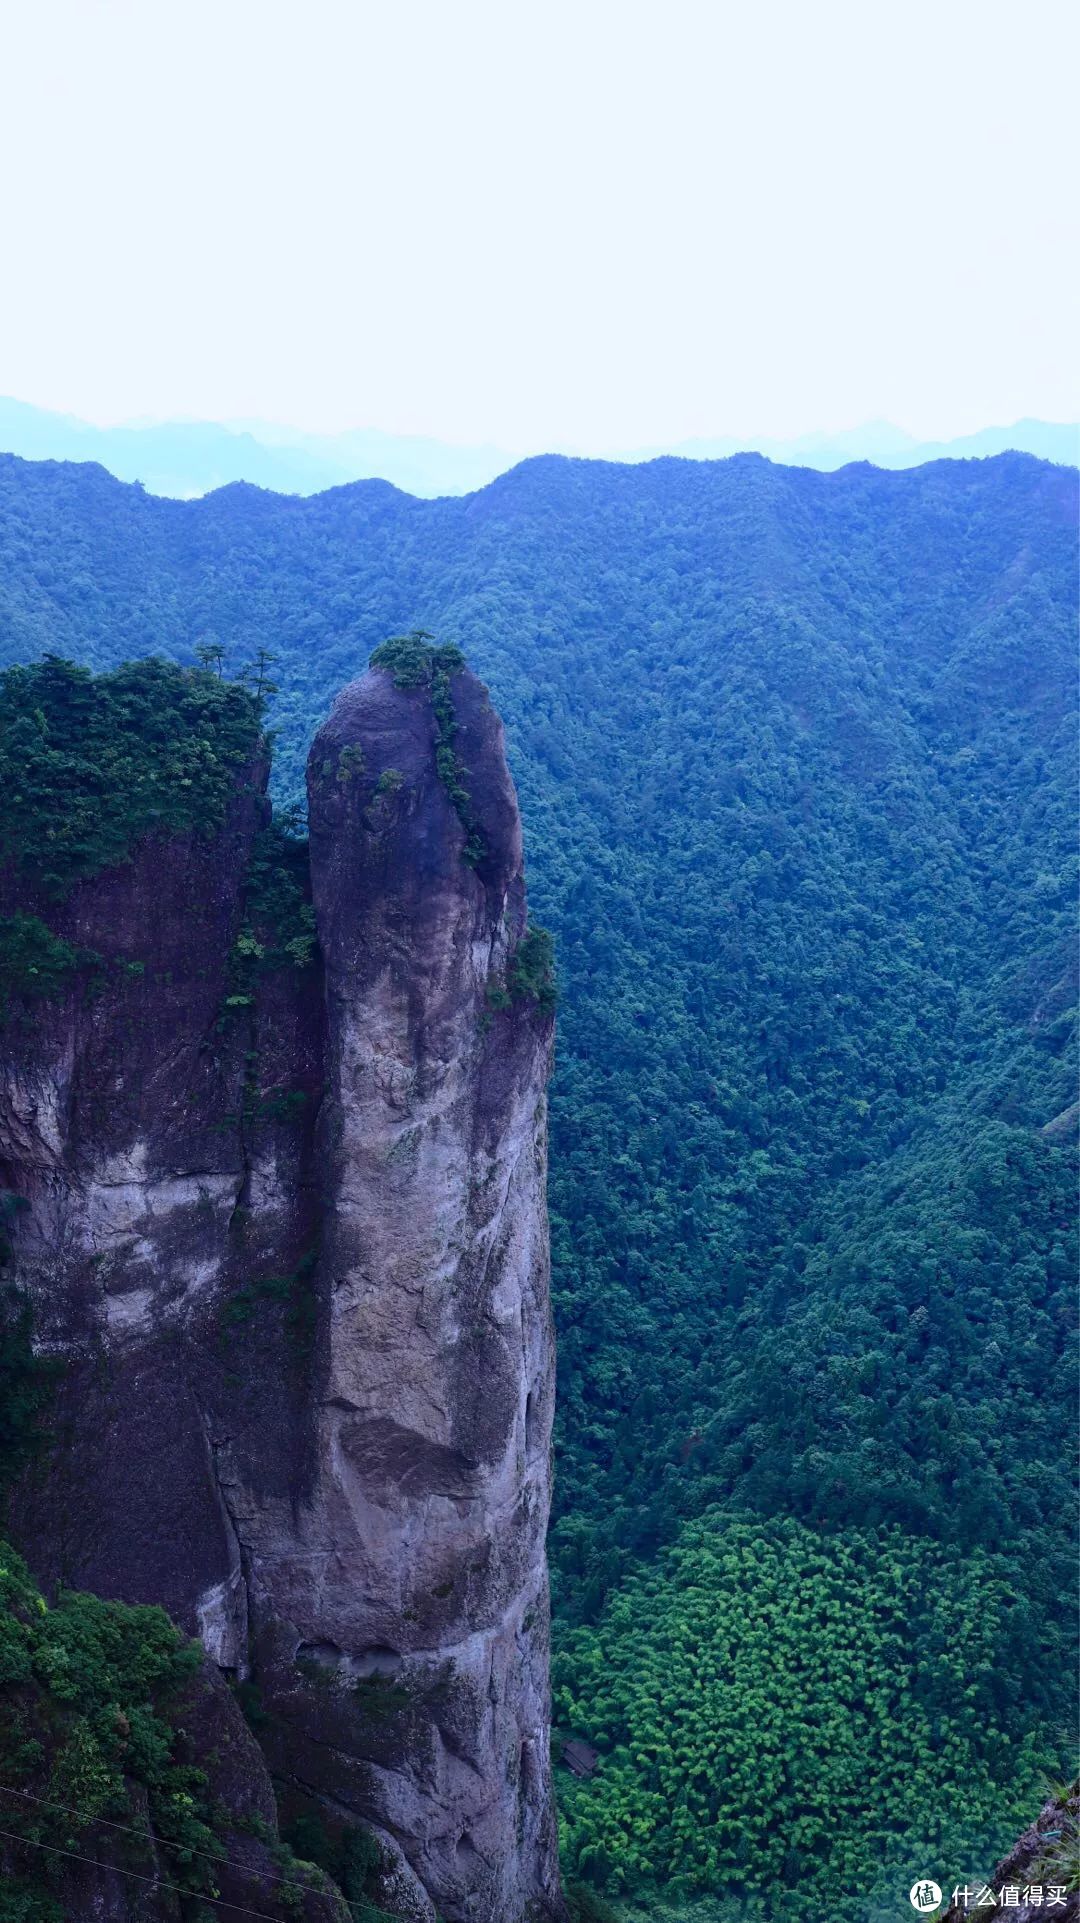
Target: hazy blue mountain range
x=888, y=446
x=184, y=459
x=188, y=458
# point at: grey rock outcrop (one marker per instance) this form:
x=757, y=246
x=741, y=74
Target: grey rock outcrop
x=295, y=1260
x=1041, y=1872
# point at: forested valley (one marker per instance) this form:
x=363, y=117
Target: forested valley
x=796, y=760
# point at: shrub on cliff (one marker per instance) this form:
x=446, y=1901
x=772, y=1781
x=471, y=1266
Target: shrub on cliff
x=84, y=1694
x=89, y=764
x=415, y=661
x=116, y=1750
x=35, y=963
x=531, y=975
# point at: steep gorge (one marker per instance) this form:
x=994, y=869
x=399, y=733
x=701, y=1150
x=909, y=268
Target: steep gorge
x=285, y=1227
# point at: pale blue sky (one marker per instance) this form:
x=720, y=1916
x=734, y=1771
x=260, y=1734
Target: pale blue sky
x=597, y=224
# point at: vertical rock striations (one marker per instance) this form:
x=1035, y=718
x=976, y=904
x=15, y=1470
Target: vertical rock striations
x=296, y=1261
x=422, y=1588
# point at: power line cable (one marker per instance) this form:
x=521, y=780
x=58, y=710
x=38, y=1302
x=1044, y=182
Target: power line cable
x=149, y=1836
x=154, y=1882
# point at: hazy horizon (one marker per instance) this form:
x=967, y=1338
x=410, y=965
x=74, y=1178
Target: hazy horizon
x=573, y=229
x=257, y=425
x=184, y=460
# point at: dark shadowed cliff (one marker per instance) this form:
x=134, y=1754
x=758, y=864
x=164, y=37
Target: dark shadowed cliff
x=279, y=1161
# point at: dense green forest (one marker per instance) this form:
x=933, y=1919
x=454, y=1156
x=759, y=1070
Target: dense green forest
x=795, y=756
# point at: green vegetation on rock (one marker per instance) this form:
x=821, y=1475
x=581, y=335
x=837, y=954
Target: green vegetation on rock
x=531, y=975
x=294, y=1294
x=35, y=963
x=91, y=764
x=86, y=1695
x=348, y=1852
x=277, y=895
x=278, y=929
x=414, y=661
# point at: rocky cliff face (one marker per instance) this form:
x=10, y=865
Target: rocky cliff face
x=287, y=1230
x=1041, y=1873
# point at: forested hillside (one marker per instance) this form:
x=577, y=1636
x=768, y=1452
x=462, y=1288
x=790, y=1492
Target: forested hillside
x=795, y=758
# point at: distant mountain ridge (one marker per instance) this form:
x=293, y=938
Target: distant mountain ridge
x=886, y=446
x=186, y=459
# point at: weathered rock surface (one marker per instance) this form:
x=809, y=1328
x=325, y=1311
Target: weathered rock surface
x=293, y=1252
x=1041, y=1872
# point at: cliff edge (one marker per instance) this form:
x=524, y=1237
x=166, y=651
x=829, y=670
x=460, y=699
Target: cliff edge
x=282, y=1215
